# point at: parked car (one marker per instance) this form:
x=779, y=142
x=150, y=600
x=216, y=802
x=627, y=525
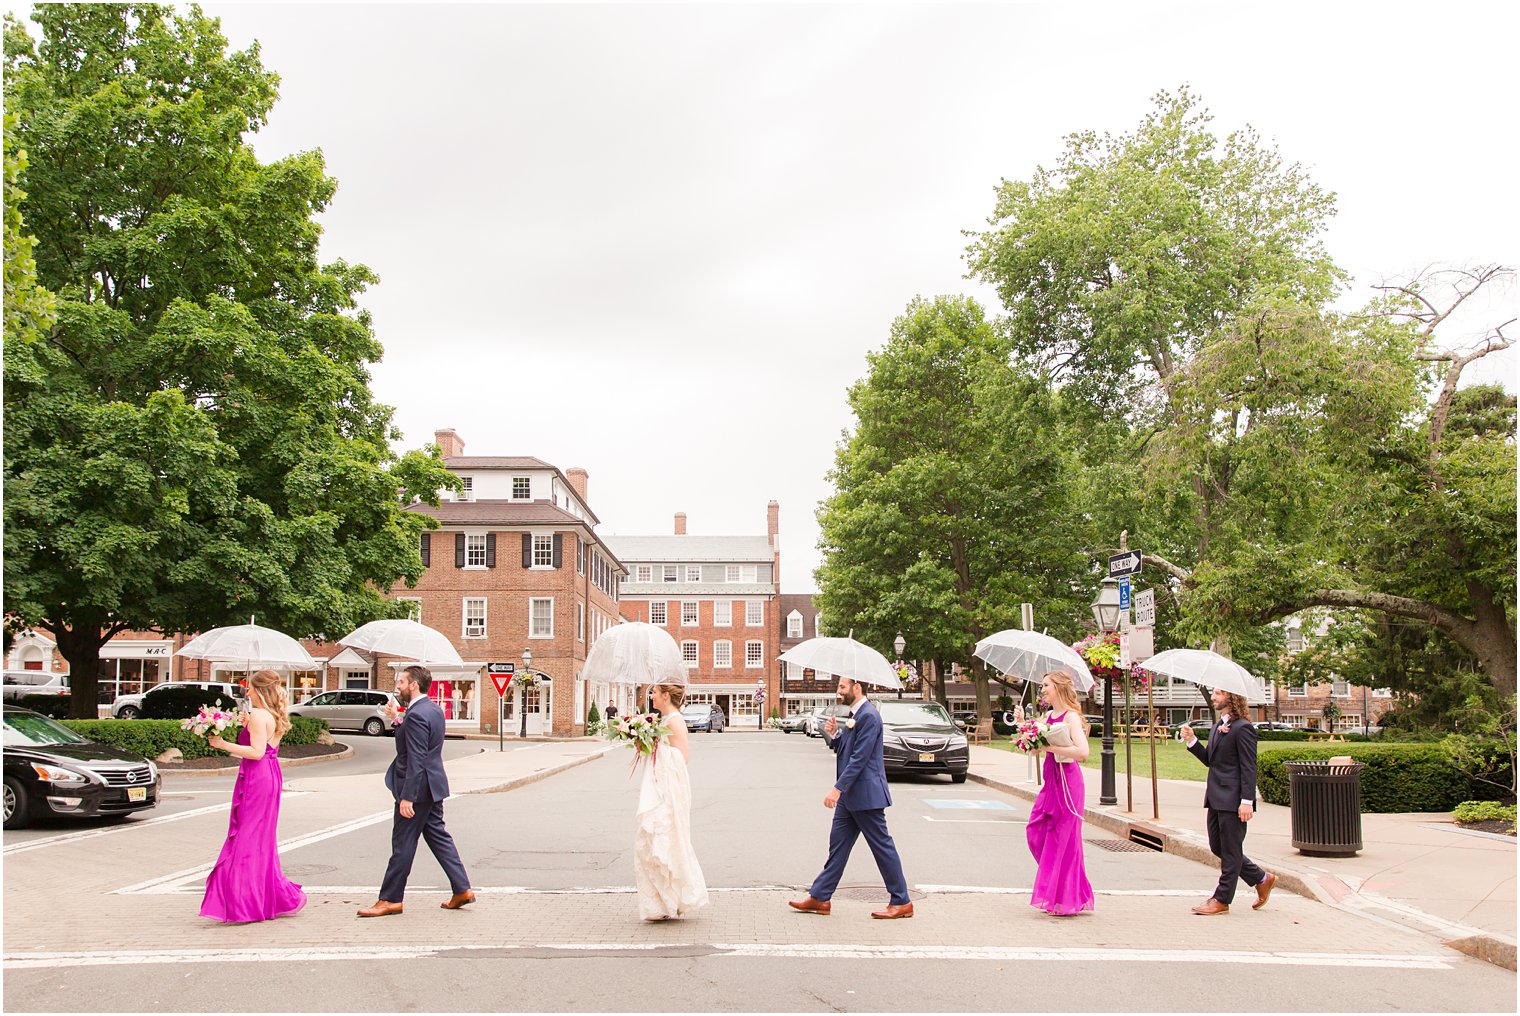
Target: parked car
x=921, y=737
x=704, y=719
x=352, y=709
x=33, y=682
x=130, y=707
x=820, y=716
x=794, y=723
x=50, y=770
x=1273, y=725
x=964, y=718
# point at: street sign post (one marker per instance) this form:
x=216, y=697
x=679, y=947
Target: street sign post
x=1145, y=608
x=501, y=677
x=1126, y=563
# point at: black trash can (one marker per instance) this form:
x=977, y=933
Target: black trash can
x=1326, y=805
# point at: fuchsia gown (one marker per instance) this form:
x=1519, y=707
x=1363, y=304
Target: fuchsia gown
x=1055, y=840
x=247, y=883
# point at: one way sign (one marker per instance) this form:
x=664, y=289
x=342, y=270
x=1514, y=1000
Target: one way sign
x=1127, y=563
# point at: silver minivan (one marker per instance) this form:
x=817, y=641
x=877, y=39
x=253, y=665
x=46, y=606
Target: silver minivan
x=351, y=709
x=33, y=682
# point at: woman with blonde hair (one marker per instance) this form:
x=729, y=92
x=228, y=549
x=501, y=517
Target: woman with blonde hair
x=1054, y=831
x=669, y=879
x=247, y=883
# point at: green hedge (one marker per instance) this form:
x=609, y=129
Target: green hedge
x=1399, y=777
x=1480, y=811
x=56, y=706
x=151, y=738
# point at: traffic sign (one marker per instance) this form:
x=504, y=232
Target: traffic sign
x=1124, y=650
x=1127, y=563
x=502, y=682
x=1145, y=608
x=501, y=668
x=1124, y=593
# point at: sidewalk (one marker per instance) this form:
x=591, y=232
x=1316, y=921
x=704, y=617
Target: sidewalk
x=1415, y=870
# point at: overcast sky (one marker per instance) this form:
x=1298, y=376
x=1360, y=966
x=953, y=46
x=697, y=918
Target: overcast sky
x=658, y=242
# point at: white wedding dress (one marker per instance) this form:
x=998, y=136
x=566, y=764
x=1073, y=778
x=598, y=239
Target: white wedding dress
x=665, y=868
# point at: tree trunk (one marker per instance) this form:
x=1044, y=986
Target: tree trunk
x=80, y=645
x=983, y=692
x=936, y=683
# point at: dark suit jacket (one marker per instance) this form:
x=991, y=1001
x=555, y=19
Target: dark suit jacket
x=1231, y=758
x=861, y=773
x=417, y=773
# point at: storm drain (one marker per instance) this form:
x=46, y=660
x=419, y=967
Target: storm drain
x=1120, y=845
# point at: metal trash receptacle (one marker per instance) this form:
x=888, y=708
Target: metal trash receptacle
x=1325, y=799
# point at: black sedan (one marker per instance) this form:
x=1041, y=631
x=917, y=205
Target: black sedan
x=921, y=737
x=50, y=770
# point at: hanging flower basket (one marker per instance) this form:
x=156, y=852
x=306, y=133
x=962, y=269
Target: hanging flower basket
x=1101, y=652
x=526, y=679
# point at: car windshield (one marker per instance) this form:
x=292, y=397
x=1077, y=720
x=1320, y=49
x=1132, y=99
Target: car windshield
x=34, y=677
x=695, y=710
x=32, y=728
x=905, y=713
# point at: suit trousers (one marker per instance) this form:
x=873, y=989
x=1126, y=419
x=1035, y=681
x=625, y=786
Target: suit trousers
x=848, y=825
x=1227, y=837
x=427, y=823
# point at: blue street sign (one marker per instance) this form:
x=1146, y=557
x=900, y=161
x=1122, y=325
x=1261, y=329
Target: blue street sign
x=1124, y=593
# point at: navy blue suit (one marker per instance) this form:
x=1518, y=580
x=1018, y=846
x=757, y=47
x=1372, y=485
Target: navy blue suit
x=1231, y=758
x=417, y=775
x=861, y=779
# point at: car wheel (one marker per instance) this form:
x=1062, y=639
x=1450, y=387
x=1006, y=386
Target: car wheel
x=18, y=808
x=374, y=727
x=129, y=713
x=957, y=777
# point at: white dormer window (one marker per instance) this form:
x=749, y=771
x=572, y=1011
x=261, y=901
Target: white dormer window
x=670, y=573
x=522, y=488
x=794, y=625
x=468, y=494
x=747, y=573
x=731, y=573
x=693, y=573
x=644, y=573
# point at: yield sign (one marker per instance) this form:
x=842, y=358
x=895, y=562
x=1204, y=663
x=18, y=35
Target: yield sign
x=502, y=682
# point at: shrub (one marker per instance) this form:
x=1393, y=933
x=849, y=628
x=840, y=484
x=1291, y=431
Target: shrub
x=151, y=738
x=1397, y=778
x=176, y=703
x=593, y=720
x=56, y=706
x=1483, y=811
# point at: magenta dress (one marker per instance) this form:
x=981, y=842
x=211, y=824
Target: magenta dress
x=1055, y=840
x=247, y=883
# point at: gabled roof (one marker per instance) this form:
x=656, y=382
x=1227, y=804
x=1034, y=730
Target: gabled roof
x=496, y=462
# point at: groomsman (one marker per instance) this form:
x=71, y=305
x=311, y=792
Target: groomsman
x=1230, y=797
x=859, y=798
x=420, y=786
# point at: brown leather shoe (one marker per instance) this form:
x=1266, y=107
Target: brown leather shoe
x=381, y=909
x=893, y=912
x=459, y=899
x=1263, y=890
x=812, y=906
x=1210, y=907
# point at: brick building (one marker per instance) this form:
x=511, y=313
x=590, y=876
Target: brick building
x=718, y=596
x=802, y=690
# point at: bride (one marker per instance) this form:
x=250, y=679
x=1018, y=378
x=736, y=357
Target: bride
x=665, y=869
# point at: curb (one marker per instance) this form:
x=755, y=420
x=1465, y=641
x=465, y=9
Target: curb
x=285, y=763
x=1489, y=947
x=523, y=781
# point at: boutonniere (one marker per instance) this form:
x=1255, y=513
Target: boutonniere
x=849, y=724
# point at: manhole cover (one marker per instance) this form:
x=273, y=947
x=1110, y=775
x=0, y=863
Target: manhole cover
x=867, y=894
x=1119, y=845
x=307, y=870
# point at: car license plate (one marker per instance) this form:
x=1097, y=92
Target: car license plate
x=137, y=793
x=926, y=756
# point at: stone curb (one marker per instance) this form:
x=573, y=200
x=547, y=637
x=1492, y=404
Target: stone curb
x=523, y=781
x=285, y=763
x=1490, y=946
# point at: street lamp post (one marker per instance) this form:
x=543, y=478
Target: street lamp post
x=899, y=644
x=1106, y=612
x=522, y=706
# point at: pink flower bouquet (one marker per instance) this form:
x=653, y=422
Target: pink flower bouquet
x=210, y=718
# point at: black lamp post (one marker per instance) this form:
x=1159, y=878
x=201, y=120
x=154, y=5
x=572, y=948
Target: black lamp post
x=899, y=644
x=1106, y=612
x=522, y=706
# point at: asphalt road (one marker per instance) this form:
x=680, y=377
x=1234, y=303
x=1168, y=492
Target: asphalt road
x=556, y=928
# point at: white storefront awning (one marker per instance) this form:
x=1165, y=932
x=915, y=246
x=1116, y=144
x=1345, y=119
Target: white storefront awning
x=136, y=649
x=349, y=659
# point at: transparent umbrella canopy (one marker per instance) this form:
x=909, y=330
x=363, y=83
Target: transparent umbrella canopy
x=844, y=657
x=636, y=653
x=249, y=644
x=405, y=638
x=1030, y=655
x=1209, y=669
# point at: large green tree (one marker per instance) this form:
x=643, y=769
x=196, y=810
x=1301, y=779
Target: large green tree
x=194, y=439
x=953, y=495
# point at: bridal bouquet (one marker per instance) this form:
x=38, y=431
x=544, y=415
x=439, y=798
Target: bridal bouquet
x=642, y=730
x=1038, y=732
x=210, y=718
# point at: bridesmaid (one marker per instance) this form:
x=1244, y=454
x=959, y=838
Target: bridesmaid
x=247, y=883
x=1055, y=821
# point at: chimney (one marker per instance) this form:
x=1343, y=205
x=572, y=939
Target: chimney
x=680, y=523
x=773, y=521
x=578, y=478
x=450, y=443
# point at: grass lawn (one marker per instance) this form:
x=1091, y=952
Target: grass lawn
x=1173, y=761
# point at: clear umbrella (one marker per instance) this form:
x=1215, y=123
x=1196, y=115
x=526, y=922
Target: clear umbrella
x=405, y=638
x=844, y=658
x=1029, y=655
x=636, y=653
x=1200, y=666
x=249, y=644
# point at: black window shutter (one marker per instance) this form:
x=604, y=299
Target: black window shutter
x=458, y=550
x=559, y=543
x=527, y=550
x=427, y=549
x=490, y=550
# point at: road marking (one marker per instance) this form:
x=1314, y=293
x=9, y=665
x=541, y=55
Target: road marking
x=980, y=805
x=491, y=890
x=90, y=834
x=1021, y=891
x=385, y=953
x=982, y=821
